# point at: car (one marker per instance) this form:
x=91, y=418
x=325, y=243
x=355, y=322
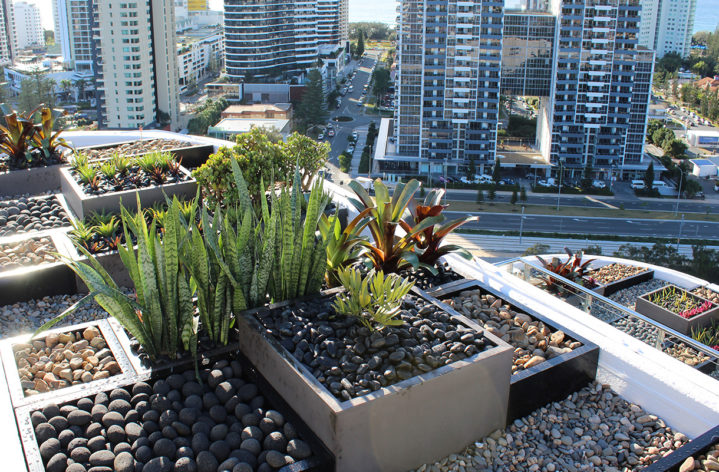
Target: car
x=338, y=104
x=598, y=184
x=507, y=182
x=467, y=180
x=483, y=178
x=330, y=133
x=549, y=182
x=716, y=187
x=351, y=149
x=638, y=185
x=320, y=137
x=359, y=103
x=354, y=135
x=350, y=88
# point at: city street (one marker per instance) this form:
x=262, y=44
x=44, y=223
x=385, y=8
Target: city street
x=592, y=226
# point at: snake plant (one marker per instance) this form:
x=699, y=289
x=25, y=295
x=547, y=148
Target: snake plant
x=162, y=318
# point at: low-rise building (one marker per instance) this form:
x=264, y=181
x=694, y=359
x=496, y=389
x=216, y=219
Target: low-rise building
x=228, y=128
x=200, y=53
x=706, y=139
x=259, y=111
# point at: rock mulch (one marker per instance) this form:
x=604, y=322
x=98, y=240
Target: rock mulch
x=61, y=360
x=628, y=296
x=23, y=215
x=708, y=294
x=351, y=361
x=26, y=317
x=703, y=462
x=534, y=341
x=174, y=424
x=426, y=280
x=25, y=253
x=594, y=430
x=135, y=148
x=613, y=272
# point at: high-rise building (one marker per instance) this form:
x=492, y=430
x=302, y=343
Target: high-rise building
x=667, y=26
x=73, y=33
x=590, y=113
x=136, y=63
x=581, y=60
x=197, y=5
x=7, y=32
x=28, y=26
x=448, y=75
x=265, y=38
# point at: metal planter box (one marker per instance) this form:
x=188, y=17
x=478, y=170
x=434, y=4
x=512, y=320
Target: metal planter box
x=82, y=204
x=398, y=427
x=552, y=380
x=39, y=280
x=672, y=320
x=610, y=288
x=30, y=181
x=695, y=448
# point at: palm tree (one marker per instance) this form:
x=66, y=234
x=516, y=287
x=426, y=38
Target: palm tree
x=80, y=84
x=66, y=85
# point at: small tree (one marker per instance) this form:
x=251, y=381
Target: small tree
x=312, y=109
x=523, y=194
x=497, y=171
x=480, y=195
x=514, y=199
x=360, y=44
x=649, y=176
x=492, y=192
x=472, y=168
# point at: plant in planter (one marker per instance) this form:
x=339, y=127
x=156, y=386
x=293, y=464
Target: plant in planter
x=680, y=302
x=47, y=141
x=15, y=138
x=709, y=335
x=122, y=163
x=388, y=252
x=374, y=299
x=162, y=318
x=344, y=247
x=572, y=269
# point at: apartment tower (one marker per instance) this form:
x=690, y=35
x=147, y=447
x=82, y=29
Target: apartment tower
x=136, y=63
x=28, y=26
x=667, y=25
x=7, y=32
x=264, y=38
x=73, y=33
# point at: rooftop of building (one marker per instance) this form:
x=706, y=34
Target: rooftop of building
x=257, y=107
x=243, y=125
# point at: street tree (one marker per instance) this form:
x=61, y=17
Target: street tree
x=472, y=168
x=692, y=187
x=380, y=82
x=360, y=44
x=480, y=195
x=312, y=110
x=492, y=192
x=514, y=199
x=523, y=194
x=497, y=171
x=66, y=86
x=675, y=148
x=649, y=176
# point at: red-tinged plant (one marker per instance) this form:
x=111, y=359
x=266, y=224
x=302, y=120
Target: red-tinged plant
x=572, y=269
x=697, y=310
x=427, y=242
x=113, y=242
x=173, y=167
x=15, y=138
x=387, y=251
x=158, y=174
x=47, y=141
x=95, y=182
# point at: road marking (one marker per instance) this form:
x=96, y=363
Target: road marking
x=592, y=199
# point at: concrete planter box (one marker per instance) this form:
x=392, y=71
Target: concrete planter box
x=673, y=320
x=193, y=155
x=608, y=289
x=552, y=380
x=695, y=448
x=83, y=204
x=40, y=280
x=30, y=181
x=112, y=263
x=399, y=427
x=13, y=378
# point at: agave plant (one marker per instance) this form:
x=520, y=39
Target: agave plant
x=428, y=243
x=108, y=170
x=15, y=138
x=86, y=173
x=122, y=163
x=374, y=299
x=47, y=141
x=147, y=162
x=81, y=234
x=79, y=159
x=162, y=318
x=344, y=247
x=107, y=229
x=388, y=251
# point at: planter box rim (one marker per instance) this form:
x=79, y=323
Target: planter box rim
x=86, y=196
x=53, y=235
x=645, y=297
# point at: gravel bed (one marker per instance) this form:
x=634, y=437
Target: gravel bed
x=628, y=296
x=702, y=462
x=174, y=424
x=594, y=430
x=31, y=214
x=61, y=360
x=704, y=292
x=534, y=341
x=426, y=280
x=135, y=148
x=26, y=317
x=351, y=361
x=612, y=272
x=26, y=253
x=134, y=179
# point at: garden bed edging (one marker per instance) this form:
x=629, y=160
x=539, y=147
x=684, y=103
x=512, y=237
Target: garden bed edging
x=673, y=320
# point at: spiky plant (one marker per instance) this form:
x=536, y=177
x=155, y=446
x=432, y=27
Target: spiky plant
x=146, y=162
x=15, y=138
x=79, y=159
x=107, y=229
x=45, y=140
x=173, y=167
x=86, y=173
x=81, y=234
x=108, y=170
x=122, y=163
x=158, y=175
x=344, y=247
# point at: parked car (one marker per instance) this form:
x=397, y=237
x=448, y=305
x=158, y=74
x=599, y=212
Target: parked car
x=351, y=148
x=638, y=185
x=466, y=180
x=550, y=182
x=716, y=187
x=507, y=182
x=330, y=133
x=598, y=184
x=354, y=135
x=320, y=137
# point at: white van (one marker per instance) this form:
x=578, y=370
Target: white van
x=658, y=183
x=638, y=184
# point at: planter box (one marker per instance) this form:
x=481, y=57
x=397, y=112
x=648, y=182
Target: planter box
x=13, y=377
x=615, y=286
x=193, y=155
x=30, y=181
x=321, y=460
x=112, y=263
x=398, y=427
x=552, y=380
x=39, y=280
x=695, y=448
x=83, y=204
x=672, y=320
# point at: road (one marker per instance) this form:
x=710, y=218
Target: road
x=592, y=226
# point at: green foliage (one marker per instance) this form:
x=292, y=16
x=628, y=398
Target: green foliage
x=161, y=318
x=497, y=171
x=593, y=249
x=691, y=187
x=35, y=92
x=45, y=140
x=522, y=127
x=572, y=269
x=312, y=110
x=360, y=44
x=649, y=176
x=514, y=198
x=309, y=155
x=375, y=299
x=374, y=30
x=492, y=193
x=480, y=195
x=15, y=139
x=344, y=246
x=364, y=163
x=538, y=248
x=523, y=194
x=675, y=148
x=345, y=161
x=380, y=82
x=208, y=114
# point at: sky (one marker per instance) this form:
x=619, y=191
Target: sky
x=707, y=16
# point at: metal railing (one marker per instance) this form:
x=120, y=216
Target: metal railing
x=661, y=337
